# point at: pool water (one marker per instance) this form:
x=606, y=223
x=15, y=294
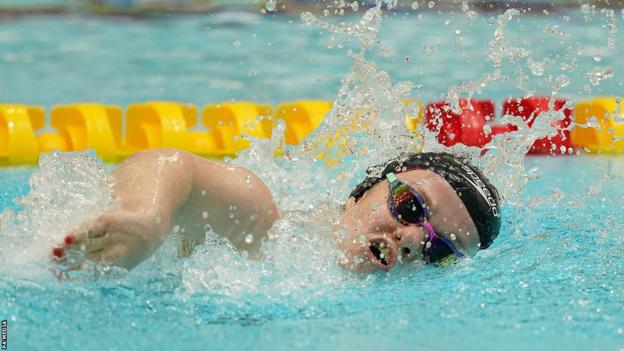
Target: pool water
x=234, y=56
x=553, y=278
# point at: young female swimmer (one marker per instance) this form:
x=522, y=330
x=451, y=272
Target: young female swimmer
x=427, y=206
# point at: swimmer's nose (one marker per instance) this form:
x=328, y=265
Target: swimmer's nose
x=382, y=252
x=410, y=241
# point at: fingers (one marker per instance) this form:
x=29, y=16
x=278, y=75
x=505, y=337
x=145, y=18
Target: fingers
x=112, y=255
x=93, y=245
x=83, y=244
x=77, y=239
x=97, y=229
x=74, y=260
x=67, y=261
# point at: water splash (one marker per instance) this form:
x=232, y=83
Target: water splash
x=298, y=262
x=609, y=14
x=364, y=127
x=498, y=50
x=65, y=191
x=597, y=75
x=366, y=124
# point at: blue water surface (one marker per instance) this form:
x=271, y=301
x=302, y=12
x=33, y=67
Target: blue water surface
x=246, y=56
x=553, y=279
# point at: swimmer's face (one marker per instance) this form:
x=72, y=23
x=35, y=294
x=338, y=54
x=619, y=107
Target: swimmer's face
x=372, y=239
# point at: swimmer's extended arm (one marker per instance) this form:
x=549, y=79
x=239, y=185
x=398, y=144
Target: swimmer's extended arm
x=158, y=189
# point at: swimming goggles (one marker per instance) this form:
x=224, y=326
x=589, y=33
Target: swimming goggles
x=410, y=208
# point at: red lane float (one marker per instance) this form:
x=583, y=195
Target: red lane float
x=529, y=109
x=465, y=127
x=503, y=128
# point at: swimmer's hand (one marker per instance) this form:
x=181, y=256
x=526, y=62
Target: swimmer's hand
x=119, y=238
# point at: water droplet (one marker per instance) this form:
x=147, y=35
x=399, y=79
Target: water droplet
x=585, y=8
x=204, y=214
x=415, y=5
x=176, y=228
x=270, y=6
x=453, y=236
x=534, y=173
x=487, y=129
x=597, y=58
x=249, y=238
x=464, y=6
x=597, y=75
x=431, y=4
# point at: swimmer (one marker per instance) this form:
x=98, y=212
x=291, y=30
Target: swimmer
x=425, y=207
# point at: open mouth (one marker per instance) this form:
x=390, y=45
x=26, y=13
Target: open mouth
x=381, y=253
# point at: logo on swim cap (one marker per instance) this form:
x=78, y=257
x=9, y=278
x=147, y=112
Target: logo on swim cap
x=482, y=188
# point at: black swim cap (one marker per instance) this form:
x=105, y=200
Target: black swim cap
x=478, y=195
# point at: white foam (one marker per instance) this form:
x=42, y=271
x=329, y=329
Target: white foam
x=65, y=191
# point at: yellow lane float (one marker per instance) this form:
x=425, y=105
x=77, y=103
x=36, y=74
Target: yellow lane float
x=157, y=124
x=414, y=115
x=228, y=121
x=597, y=127
x=83, y=126
x=18, y=144
x=301, y=118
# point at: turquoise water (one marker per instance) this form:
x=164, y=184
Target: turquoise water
x=26, y=3
x=246, y=56
x=553, y=279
